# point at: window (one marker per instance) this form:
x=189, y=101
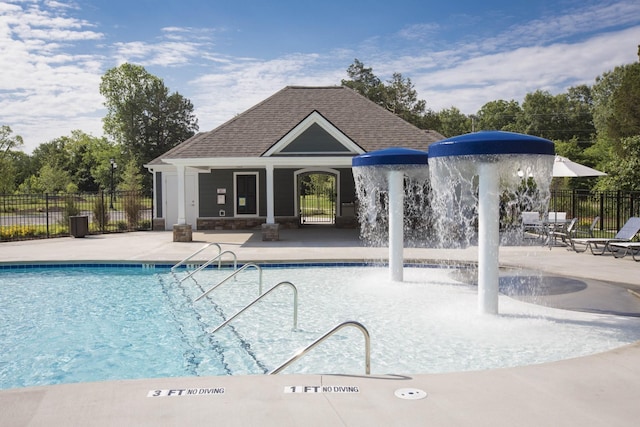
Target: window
x=246, y=193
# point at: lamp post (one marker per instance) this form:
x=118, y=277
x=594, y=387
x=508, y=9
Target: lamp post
x=114, y=165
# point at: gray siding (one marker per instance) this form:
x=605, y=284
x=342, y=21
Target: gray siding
x=284, y=196
x=208, y=184
x=315, y=140
x=262, y=185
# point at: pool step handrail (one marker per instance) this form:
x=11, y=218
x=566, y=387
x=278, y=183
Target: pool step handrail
x=298, y=354
x=231, y=276
x=295, y=306
x=196, y=253
x=211, y=261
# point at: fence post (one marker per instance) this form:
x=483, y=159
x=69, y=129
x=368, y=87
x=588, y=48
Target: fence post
x=602, y=218
x=46, y=209
x=618, y=209
x=102, y=215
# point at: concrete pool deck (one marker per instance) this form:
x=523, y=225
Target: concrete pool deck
x=598, y=390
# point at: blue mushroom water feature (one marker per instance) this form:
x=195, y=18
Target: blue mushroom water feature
x=499, y=159
x=389, y=168
x=466, y=173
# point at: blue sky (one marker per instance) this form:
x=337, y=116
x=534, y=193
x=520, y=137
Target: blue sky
x=226, y=56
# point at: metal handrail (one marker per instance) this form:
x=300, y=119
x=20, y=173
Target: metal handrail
x=295, y=306
x=298, y=354
x=196, y=253
x=208, y=263
x=231, y=276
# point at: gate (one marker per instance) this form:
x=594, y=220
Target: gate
x=317, y=198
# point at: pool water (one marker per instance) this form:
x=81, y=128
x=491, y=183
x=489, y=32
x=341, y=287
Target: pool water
x=79, y=324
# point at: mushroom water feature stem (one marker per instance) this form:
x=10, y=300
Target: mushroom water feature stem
x=393, y=163
x=487, y=155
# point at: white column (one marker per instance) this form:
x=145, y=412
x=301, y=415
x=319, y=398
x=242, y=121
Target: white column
x=182, y=200
x=270, y=190
x=488, y=238
x=396, y=224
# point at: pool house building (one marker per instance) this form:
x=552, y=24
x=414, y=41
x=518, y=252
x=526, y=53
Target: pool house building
x=285, y=162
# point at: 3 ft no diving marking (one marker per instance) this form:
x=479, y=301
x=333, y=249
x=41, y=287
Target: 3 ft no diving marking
x=186, y=392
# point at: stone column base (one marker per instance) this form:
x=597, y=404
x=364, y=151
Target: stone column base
x=270, y=232
x=158, y=224
x=182, y=233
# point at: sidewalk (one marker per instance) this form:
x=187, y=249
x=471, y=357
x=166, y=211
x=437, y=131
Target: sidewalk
x=599, y=390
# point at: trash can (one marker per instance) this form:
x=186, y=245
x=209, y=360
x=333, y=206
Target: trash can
x=79, y=226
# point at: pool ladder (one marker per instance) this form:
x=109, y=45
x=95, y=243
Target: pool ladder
x=303, y=351
x=231, y=276
x=211, y=261
x=173, y=269
x=201, y=267
x=300, y=353
x=252, y=303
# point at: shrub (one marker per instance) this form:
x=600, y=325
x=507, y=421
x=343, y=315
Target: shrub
x=132, y=204
x=100, y=213
x=70, y=209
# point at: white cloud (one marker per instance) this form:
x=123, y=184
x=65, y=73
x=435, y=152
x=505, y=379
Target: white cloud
x=45, y=87
x=470, y=83
x=49, y=84
x=419, y=31
x=237, y=86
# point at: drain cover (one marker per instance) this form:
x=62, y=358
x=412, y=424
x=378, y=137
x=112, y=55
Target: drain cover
x=410, y=393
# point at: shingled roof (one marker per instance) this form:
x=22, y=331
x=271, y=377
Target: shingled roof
x=253, y=132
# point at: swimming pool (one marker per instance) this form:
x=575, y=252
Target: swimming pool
x=78, y=324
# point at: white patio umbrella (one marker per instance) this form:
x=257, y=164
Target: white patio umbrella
x=565, y=167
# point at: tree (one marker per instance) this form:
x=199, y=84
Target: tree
x=53, y=179
x=624, y=171
x=401, y=99
x=453, y=122
x=364, y=82
x=615, y=98
x=397, y=96
x=141, y=115
x=580, y=118
x=542, y=116
x=8, y=143
x=498, y=115
x=84, y=157
x=625, y=106
x=616, y=117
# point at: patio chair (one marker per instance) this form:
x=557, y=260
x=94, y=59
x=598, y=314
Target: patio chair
x=531, y=223
x=625, y=248
x=626, y=233
x=564, y=233
x=555, y=217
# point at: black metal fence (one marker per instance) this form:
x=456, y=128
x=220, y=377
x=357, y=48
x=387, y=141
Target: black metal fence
x=613, y=207
x=40, y=216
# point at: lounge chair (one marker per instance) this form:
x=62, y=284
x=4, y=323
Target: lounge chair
x=625, y=248
x=626, y=233
x=589, y=232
